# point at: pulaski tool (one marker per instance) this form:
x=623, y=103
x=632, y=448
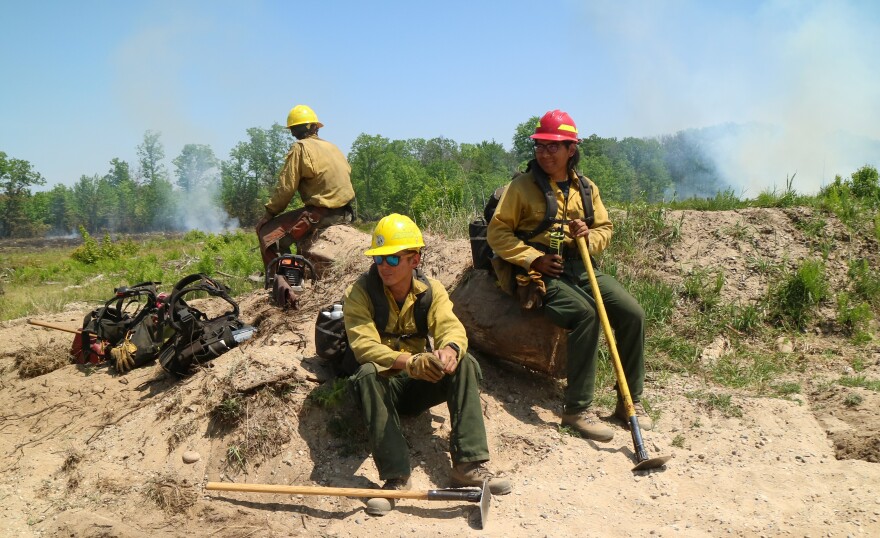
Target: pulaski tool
x=482, y=496
x=642, y=460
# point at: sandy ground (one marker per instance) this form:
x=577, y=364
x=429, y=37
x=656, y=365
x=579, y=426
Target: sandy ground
x=90, y=453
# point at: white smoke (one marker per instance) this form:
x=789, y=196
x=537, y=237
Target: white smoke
x=801, y=80
x=199, y=209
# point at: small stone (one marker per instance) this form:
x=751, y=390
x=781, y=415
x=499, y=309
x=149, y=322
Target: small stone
x=191, y=456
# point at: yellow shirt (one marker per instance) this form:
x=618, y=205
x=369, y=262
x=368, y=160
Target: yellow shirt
x=319, y=171
x=522, y=208
x=369, y=346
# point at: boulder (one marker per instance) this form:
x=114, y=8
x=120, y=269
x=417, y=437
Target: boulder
x=498, y=327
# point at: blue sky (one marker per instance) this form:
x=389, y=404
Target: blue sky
x=83, y=81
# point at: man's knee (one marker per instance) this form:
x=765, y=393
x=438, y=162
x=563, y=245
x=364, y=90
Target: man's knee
x=468, y=366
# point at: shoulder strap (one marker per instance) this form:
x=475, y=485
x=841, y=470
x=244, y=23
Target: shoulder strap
x=198, y=282
x=376, y=290
x=587, y=199
x=549, y=199
x=423, y=304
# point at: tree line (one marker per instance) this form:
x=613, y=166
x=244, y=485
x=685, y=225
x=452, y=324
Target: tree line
x=418, y=177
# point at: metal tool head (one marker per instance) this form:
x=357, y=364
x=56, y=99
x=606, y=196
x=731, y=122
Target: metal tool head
x=485, y=500
x=652, y=463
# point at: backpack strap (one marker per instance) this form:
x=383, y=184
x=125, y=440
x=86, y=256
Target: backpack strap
x=376, y=290
x=587, y=199
x=551, y=207
x=197, y=282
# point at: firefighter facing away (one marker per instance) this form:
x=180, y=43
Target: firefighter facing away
x=400, y=375
x=567, y=295
x=318, y=170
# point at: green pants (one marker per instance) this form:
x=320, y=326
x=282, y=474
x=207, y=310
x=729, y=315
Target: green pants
x=384, y=399
x=569, y=304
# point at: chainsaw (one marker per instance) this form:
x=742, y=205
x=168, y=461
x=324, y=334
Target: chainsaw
x=285, y=275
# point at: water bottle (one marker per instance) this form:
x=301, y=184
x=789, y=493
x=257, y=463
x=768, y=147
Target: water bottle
x=334, y=313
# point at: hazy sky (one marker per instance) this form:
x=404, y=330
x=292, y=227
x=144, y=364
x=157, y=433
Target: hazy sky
x=82, y=81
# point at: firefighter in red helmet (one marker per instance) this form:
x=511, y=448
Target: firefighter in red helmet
x=551, y=262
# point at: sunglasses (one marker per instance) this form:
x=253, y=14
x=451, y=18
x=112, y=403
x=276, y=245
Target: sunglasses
x=391, y=259
x=553, y=147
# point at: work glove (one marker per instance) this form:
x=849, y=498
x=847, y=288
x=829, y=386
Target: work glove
x=282, y=295
x=123, y=356
x=530, y=290
x=425, y=366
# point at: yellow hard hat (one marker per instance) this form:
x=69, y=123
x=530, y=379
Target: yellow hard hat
x=301, y=114
x=393, y=234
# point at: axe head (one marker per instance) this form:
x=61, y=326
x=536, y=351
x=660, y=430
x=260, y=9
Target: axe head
x=485, y=501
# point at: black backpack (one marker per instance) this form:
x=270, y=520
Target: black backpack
x=193, y=337
x=134, y=314
x=331, y=341
x=482, y=253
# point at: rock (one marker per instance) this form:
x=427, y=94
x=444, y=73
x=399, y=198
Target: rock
x=498, y=327
x=191, y=456
x=714, y=351
x=784, y=345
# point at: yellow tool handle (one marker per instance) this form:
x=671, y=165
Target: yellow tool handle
x=606, y=326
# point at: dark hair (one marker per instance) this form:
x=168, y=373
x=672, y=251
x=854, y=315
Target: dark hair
x=576, y=158
x=304, y=130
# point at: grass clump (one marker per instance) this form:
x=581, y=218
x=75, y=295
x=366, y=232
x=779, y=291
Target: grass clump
x=703, y=286
x=723, y=403
x=852, y=400
x=330, y=395
x=860, y=381
x=795, y=298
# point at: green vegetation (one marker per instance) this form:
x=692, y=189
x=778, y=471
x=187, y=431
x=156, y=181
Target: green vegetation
x=796, y=296
x=860, y=381
x=42, y=281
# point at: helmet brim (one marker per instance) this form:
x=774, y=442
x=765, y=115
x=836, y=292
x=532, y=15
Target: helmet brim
x=392, y=249
x=554, y=137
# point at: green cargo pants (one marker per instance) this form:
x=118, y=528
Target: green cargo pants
x=384, y=399
x=569, y=304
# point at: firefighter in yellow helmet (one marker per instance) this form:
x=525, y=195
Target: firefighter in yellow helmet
x=319, y=171
x=400, y=374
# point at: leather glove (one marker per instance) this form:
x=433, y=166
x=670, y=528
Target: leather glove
x=530, y=290
x=123, y=355
x=282, y=295
x=425, y=366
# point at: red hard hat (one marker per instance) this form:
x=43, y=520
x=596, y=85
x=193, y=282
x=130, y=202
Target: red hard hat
x=556, y=125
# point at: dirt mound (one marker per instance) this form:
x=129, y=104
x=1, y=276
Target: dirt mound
x=90, y=453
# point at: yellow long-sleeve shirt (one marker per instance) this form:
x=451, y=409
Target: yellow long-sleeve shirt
x=369, y=346
x=522, y=208
x=318, y=170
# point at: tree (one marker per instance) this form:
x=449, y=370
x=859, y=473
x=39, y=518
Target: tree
x=16, y=178
x=158, y=203
x=865, y=184
x=195, y=167
x=523, y=146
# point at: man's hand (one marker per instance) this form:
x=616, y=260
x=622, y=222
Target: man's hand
x=548, y=264
x=448, y=357
x=425, y=366
x=579, y=228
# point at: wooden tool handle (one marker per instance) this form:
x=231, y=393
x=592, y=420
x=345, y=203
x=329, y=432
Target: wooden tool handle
x=317, y=490
x=53, y=326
